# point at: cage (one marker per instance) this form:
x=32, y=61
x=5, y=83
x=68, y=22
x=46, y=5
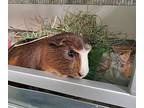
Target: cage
x=31, y=88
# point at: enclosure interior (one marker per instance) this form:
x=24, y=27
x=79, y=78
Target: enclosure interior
x=118, y=18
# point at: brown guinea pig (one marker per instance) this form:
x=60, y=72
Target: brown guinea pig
x=63, y=54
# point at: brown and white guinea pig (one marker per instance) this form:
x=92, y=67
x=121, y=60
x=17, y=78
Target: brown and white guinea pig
x=63, y=54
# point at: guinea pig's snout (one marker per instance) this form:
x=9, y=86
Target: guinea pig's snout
x=81, y=75
x=84, y=65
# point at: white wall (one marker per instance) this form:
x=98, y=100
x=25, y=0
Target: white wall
x=119, y=18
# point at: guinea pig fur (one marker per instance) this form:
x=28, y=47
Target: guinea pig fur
x=64, y=54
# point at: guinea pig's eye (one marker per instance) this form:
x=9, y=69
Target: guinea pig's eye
x=71, y=53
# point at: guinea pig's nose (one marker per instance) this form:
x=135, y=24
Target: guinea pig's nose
x=81, y=74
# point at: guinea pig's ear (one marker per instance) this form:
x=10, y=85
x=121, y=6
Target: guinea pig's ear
x=57, y=43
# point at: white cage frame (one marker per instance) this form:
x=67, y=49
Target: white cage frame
x=93, y=90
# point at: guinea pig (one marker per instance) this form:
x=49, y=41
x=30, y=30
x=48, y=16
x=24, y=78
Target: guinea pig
x=63, y=54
